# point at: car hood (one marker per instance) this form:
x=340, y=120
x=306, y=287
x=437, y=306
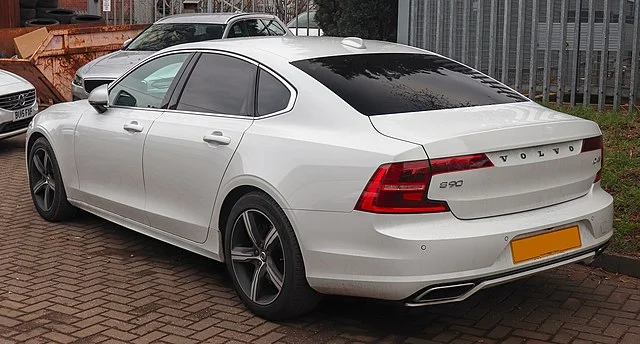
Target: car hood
x=111, y=66
x=11, y=83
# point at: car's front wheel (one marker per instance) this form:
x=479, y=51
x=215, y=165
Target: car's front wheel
x=45, y=182
x=264, y=260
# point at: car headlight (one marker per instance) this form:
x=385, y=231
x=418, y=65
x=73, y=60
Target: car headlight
x=77, y=80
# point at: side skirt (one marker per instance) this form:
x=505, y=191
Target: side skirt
x=148, y=231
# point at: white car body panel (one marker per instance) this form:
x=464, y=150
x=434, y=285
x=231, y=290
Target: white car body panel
x=109, y=160
x=180, y=199
x=315, y=161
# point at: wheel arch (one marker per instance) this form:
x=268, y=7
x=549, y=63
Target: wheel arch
x=32, y=139
x=63, y=151
x=229, y=195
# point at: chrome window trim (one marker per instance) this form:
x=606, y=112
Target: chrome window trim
x=292, y=99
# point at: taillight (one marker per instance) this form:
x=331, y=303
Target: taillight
x=459, y=163
x=401, y=188
x=591, y=144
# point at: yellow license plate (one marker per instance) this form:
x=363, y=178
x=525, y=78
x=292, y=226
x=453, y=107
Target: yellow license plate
x=546, y=244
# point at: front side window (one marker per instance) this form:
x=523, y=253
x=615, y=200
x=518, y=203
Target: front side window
x=219, y=84
x=160, y=36
x=273, y=96
x=378, y=84
x=147, y=86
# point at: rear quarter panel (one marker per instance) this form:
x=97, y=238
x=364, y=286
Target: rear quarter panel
x=319, y=156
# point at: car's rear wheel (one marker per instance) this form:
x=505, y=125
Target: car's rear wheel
x=264, y=260
x=45, y=182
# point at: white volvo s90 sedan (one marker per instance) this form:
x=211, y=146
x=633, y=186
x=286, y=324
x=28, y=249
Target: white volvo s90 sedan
x=318, y=166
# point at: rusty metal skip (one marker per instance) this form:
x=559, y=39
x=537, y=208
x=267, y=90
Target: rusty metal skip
x=65, y=49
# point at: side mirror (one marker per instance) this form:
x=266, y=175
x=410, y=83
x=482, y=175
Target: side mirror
x=126, y=43
x=99, y=98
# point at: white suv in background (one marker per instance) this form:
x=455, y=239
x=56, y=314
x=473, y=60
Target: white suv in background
x=170, y=31
x=18, y=104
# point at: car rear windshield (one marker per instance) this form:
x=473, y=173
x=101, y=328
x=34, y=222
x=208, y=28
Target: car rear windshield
x=378, y=84
x=160, y=36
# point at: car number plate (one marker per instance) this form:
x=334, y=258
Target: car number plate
x=546, y=244
x=22, y=114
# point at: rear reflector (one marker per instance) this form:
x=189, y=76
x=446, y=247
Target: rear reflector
x=591, y=144
x=401, y=188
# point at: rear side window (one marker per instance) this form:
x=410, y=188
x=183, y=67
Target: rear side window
x=378, y=84
x=219, y=84
x=273, y=96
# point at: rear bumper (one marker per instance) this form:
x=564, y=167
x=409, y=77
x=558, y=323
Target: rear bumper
x=398, y=257
x=461, y=290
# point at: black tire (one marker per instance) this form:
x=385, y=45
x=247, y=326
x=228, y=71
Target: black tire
x=87, y=19
x=47, y=3
x=41, y=22
x=26, y=14
x=295, y=297
x=28, y=4
x=63, y=16
x=46, y=179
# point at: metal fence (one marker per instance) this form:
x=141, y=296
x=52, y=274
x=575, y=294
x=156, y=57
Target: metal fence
x=121, y=12
x=564, y=51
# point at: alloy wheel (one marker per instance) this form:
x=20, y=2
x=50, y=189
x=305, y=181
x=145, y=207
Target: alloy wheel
x=257, y=257
x=44, y=187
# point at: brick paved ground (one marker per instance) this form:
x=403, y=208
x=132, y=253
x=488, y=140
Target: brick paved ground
x=88, y=281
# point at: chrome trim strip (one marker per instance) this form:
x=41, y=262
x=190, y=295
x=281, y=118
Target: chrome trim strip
x=290, y=105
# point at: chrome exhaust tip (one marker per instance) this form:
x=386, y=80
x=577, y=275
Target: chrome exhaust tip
x=442, y=293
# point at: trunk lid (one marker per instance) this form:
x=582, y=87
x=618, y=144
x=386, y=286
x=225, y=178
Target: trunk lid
x=536, y=153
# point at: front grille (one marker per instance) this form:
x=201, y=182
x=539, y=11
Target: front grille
x=16, y=101
x=13, y=126
x=91, y=84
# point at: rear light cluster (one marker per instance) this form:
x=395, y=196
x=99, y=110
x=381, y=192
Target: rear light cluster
x=401, y=188
x=591, y=144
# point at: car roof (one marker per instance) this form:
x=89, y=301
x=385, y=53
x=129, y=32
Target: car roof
x=293, y=48
x=209, y=18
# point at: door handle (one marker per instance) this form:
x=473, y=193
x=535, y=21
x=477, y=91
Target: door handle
x=217, y=137
x=133, y=127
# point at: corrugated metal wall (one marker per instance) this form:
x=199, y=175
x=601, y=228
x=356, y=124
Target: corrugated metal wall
x=509, y=48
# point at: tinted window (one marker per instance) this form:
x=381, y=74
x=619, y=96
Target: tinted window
x=160, y=36
x=377, y=84
x=255, y=27
x=147, y=86
x=238, y=30
x=273, y=96
x=219, y=84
